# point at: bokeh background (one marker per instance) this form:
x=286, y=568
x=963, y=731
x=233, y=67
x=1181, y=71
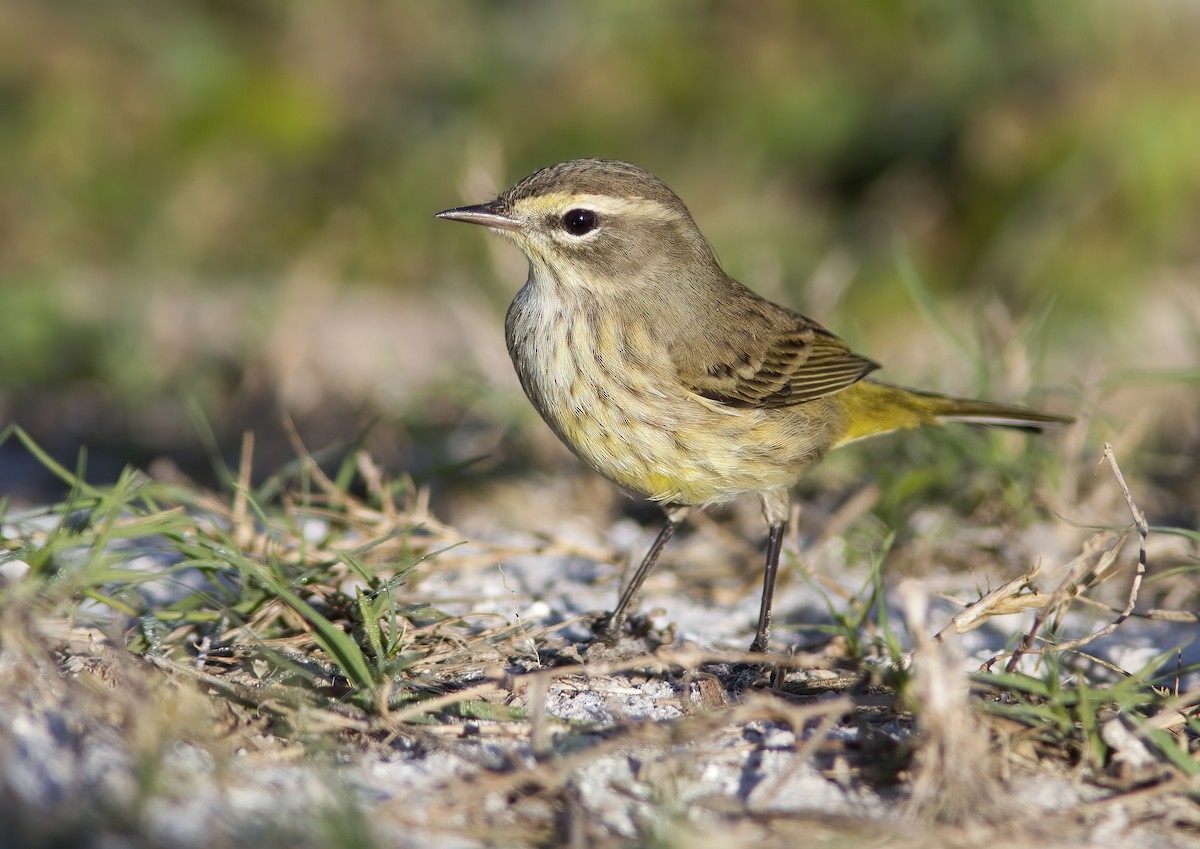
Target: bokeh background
x=213, y=214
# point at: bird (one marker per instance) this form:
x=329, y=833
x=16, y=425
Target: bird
x=670, y=378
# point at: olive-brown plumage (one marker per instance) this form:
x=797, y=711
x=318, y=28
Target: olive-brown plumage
x=666, y=375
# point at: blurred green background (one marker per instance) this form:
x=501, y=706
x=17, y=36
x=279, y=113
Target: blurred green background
x=219, y=212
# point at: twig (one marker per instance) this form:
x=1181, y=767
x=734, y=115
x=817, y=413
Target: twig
x=1069, y=585
x=999, y=602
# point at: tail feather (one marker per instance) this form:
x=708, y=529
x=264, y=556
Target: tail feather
x=873, y=408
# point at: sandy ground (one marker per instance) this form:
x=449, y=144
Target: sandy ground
x=685, y=745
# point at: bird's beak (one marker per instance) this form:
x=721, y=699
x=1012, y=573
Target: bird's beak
x=488, y=214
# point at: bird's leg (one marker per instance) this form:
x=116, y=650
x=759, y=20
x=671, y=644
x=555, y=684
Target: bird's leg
x=611, y=629
x=774, y=546
x=775, y=505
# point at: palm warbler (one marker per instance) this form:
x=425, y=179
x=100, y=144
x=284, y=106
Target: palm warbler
x=669, y=377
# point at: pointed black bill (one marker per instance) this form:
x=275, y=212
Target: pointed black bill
x=486, y=214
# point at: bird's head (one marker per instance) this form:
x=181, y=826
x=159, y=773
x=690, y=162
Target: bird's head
x=599, y=224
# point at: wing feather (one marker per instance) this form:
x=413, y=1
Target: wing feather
x=776, y=359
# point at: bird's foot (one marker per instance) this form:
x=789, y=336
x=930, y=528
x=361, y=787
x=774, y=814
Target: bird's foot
x=627, y=637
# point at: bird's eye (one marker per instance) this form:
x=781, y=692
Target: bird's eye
x=579, y=222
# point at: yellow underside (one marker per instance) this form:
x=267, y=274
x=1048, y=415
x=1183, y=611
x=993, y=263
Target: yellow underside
x=714, y=456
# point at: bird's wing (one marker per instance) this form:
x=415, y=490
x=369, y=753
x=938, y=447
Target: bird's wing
x=773, y=358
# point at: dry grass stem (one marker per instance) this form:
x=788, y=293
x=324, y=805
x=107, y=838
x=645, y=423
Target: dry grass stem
x=1082, y=576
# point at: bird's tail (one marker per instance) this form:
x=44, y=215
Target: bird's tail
x=872, y=408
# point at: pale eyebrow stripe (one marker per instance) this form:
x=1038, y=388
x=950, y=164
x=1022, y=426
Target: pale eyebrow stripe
x=613, y=205
x=604, y=204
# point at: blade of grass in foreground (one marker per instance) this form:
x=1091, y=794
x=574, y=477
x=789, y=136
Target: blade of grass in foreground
x=74, y=481
x=333, y=640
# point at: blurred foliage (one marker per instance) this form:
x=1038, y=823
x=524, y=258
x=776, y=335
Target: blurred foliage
x=1035, y=150
x=228, y=138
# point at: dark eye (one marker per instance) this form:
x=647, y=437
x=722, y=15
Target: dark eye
x=578, y=222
